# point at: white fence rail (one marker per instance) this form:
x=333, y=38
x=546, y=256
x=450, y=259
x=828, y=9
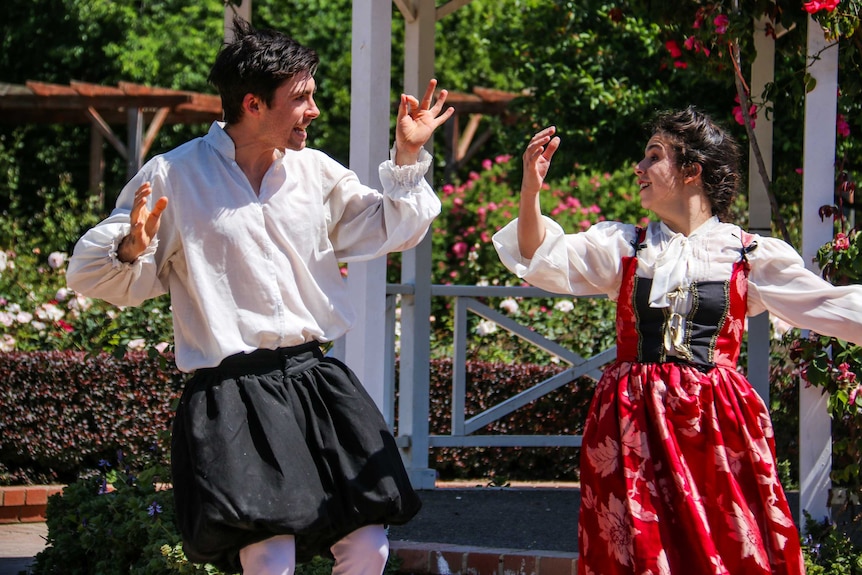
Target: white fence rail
x=466, y=300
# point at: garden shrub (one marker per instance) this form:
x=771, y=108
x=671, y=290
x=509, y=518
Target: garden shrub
x=828, y=550
x=62, y=412
x=123, y=523
x=561, y=412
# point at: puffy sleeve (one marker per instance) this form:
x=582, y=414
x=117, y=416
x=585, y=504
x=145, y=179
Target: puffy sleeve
x=365, y=223
x=94, y=269
x=586, y=263
x=780, y=283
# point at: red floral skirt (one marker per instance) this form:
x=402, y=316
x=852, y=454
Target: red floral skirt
x=678, y=475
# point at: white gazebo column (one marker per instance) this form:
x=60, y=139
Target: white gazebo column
x=759, y=209
x=818, y=182
x=371, y=53
x=413, y=400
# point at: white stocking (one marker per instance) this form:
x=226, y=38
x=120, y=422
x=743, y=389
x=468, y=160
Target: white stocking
x=273, y=556
x=362, y=552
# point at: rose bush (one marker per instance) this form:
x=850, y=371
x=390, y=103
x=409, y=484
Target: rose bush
x=38, y=312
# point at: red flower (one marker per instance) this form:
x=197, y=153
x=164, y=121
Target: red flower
x=816, y=6
x=843, y=126
x=840, y=243
x=721, y=21
x=460, y=249
x=737, y=113
x=673, y=48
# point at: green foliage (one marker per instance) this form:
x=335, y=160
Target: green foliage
x=828, y=550
x=113, y=523
x=173, y=57
x=37, y=310
x=463, y=254
x=596, y=73
x=61, y=412
x=122, y=522
x=835, y=366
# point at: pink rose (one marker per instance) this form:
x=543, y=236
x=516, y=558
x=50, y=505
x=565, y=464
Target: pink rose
x=840, y=243
x=843, y=126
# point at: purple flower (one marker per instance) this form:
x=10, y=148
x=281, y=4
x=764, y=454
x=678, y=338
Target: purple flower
x=154, y=509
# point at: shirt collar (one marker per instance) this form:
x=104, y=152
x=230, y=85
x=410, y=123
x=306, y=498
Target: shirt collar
x=219, y=139
x=703, y=228
x=671, y=264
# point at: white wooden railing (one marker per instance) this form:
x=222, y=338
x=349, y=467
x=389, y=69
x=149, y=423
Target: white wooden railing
x=413, y=431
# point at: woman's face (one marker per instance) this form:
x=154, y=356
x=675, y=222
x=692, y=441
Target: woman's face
x=659, y=179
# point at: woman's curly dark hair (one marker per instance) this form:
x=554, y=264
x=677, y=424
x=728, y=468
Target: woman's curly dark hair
x=696, y=139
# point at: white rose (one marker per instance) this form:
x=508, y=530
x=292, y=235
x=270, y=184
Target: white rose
x=62, y=294
x=486, y=327
x=7, y=343
x=49, y=312
x=24, y=317
x=56, y=260
x=509, y=305
x=137, y=344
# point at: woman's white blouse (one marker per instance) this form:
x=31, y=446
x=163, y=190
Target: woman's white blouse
x=248, y=271
x=590, y=263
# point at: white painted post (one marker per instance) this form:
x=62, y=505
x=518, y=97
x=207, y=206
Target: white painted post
x=413, y=398
x=759, y=209
x=371, y=53
x=231, y=10
x=815, y=435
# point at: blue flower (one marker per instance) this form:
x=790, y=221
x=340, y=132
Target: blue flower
x=154, y=509
x=104, y=463
x=103, y=488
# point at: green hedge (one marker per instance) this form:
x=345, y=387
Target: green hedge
x=62, y=413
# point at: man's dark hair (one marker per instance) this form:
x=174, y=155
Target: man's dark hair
x=257, y=62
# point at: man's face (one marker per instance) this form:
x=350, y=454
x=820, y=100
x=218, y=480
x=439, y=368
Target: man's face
x=291, y=112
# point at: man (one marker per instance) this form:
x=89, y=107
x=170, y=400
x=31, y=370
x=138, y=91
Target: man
x=278, y=453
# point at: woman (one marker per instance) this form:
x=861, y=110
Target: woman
x=678, y=470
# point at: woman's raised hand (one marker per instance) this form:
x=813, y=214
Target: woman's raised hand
x=537, y=159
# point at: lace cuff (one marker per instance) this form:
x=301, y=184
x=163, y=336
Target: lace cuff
x=115, y=259
x=407, y=176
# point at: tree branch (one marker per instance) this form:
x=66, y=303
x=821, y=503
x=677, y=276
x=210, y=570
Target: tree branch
x=745, y=103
